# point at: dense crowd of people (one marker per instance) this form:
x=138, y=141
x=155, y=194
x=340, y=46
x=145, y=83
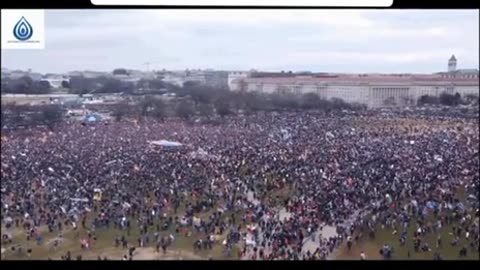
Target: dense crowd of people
x=270, y=184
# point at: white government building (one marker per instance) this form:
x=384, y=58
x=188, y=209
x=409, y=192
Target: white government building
x=374, y=90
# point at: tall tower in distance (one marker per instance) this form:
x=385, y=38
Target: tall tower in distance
x=452, y=64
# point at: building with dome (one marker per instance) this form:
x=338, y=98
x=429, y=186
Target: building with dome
x=373, y=90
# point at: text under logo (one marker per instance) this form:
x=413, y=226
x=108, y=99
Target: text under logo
x=22, y=29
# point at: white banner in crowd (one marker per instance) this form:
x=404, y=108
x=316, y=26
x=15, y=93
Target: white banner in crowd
x=165, y=143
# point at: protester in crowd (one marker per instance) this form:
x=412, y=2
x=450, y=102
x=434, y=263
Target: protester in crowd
x=351, y=173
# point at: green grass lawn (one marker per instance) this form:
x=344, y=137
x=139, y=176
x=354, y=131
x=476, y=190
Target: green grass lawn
x=385, y=236
x=106, y=238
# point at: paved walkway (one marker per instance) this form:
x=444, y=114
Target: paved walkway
x=311, y=243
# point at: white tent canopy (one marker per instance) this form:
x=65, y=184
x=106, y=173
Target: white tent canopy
x=166, y=143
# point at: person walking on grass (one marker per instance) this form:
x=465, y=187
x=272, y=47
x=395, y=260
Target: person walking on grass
x=349, y=243
x=363, y=257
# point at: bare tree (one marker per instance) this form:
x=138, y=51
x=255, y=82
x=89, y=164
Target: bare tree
x=205, y=110
x=258, y=101
x=49, y=115
x=243, y=86
x=185, y=109
x=450, y=100
x=121, y=110
x=65, y=84
x=310, y=101
x=426, y=99
x=120, y=71
x=159, y=109
x=390, y=101
x=151, y=106
x=339, y=104
x=222, y=106
x=284, y=100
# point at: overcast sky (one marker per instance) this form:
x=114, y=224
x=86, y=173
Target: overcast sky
x=316, y=40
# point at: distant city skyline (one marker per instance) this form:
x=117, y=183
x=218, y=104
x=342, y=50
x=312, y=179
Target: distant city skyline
x=337, y=41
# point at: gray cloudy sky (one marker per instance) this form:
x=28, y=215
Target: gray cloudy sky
x=316, y=40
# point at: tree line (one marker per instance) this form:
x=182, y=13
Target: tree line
x=195, y=99
x=208, y=102
x=14, y=115
x=448, y=100
x=204, y=97
x=24, y=85
x=226, y=102
x=82, y=85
